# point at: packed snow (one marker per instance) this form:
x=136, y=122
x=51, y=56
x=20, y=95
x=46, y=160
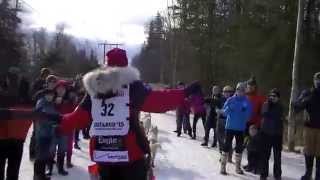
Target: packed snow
x=179, y=158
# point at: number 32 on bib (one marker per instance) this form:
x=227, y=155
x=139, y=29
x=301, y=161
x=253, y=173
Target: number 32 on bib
x=111, y=116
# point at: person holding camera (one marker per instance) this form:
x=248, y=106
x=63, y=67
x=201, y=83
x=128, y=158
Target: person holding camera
x=309, y=100
x=271, y=134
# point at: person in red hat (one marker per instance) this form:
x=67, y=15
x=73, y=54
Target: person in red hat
x=115, y=96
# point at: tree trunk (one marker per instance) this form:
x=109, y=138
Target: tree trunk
x=295, y=78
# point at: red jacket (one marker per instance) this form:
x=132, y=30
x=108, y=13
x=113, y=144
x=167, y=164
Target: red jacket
x=257, y=102
x=141, y=98
x=64, y=108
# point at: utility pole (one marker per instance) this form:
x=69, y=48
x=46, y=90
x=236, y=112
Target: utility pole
x=108, y=46
x=174, y=53
x=295, y=78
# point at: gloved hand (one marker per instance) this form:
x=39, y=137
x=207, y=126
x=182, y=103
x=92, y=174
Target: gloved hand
x=193, y=88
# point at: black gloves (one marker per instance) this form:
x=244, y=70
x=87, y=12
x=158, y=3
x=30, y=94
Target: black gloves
x=193, y=88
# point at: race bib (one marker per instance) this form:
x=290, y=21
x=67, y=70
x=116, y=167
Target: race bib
x=111, y=116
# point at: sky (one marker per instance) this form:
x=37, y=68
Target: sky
x=120, y=21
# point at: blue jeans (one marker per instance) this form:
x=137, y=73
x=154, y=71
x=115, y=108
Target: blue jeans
x=43, y=145
x=60, y=142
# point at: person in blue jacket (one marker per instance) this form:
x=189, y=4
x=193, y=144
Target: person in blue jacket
x=238, y=110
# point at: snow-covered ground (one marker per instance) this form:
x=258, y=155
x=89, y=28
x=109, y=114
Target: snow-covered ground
x=179, y=158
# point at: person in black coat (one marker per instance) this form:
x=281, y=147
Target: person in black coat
x=271, y=134
x=214, y=102
x=309, y=100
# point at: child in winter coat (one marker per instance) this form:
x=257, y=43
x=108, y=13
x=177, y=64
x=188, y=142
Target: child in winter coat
x=59, y=144
x=44, y=133
x=253, y=148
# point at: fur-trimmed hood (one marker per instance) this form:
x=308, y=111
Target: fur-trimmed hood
x=106, y=79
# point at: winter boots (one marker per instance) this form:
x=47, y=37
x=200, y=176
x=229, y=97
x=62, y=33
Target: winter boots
x=60, y=163
x=69, y=164
x=238, y=163
x=230, y=156
x=214, y=144
x=39, y=170
x=223, y=161
x=194, y=136
x=50, y=167
x=309, y=167
x=205, y=143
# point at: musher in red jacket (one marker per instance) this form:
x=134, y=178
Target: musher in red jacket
x=115, y=96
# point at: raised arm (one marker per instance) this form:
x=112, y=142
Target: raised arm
x=158, y=101
x=162, y=101
x=22, y=113
x=302, y=101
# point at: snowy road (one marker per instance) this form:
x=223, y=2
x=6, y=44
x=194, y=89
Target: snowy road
x=178, y=159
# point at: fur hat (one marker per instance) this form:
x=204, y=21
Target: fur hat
x=102, y=80
x=117, y=58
